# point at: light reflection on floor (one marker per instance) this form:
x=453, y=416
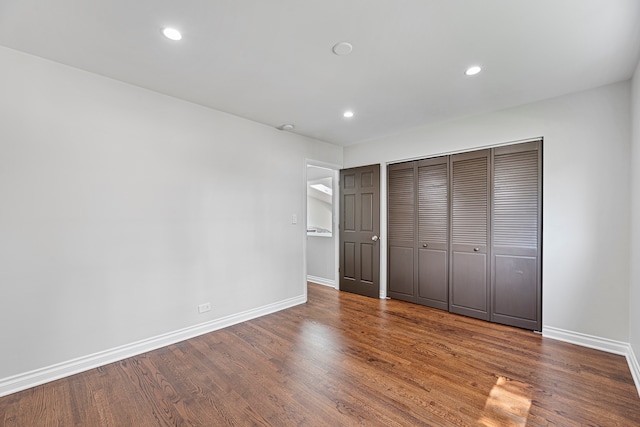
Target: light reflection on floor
x=507, y=405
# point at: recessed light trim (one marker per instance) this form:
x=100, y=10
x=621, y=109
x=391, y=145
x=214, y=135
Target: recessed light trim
x=342, y=48
x=472, y=71
x=347, y=114
x=286, y=126
x=172, y=34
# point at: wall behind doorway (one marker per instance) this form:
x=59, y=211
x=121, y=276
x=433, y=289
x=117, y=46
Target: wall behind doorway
x=321, y=245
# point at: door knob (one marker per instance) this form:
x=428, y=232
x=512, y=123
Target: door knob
x=476, y=249
x=425, y=245
x=374, y=238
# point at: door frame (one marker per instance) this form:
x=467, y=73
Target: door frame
x=335, y=198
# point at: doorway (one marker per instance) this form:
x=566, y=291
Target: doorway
x=321, y=221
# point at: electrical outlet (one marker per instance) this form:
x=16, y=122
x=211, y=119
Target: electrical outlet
x=203, y=308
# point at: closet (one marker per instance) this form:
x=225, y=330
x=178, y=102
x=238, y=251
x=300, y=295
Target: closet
x=464, y=233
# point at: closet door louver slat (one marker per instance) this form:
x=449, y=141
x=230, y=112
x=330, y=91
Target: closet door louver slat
x=401, y=204
x=470, y=202
x=433, y=200
x=515, y=201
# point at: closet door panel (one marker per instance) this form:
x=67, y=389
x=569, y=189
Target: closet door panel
x=469, y=286
x=401, y=227
x=401, y=272
x=516, y=281
x=433, y=232
x=433, y=289
x=514, y=295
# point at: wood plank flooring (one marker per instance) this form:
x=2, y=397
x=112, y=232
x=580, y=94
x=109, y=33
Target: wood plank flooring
x=343, y=360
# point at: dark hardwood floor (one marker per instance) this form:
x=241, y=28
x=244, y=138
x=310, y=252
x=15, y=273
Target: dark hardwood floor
x=343, y=360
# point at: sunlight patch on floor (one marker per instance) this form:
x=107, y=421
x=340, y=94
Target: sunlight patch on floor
x=507, y=405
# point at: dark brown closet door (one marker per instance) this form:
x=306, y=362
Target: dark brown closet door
x=359, y=230
x=469, y=285
x=433, y=233
x=401, y=224
x=515, y=264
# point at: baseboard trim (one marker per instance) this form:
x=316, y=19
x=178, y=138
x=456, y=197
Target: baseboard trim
x=590, y=341
x=321, y=281
x=36, y=377
x=634, y=367
x=40, y=376
x=598, y=343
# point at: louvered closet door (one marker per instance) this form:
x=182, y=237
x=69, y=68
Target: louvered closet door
x=433, y=233
x=401, y=217
x=469, y=285
x=516, y=281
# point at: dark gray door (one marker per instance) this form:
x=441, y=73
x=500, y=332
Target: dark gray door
x=360, y=230
x=515, y=264
x=401, y=221
x=433, y=233
x=469, y=258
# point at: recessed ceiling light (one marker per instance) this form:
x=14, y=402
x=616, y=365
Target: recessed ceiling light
x=286, y=126
x=348, y=114
x=172, y=34
x=342, y=48
x=472, y=71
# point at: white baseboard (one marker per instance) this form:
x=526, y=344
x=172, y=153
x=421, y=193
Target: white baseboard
x=634, y=366
x=590, y=341
x=36, y=377
x=321, y=281
x=598, y=343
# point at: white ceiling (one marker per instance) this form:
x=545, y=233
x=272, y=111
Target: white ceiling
x=271, y=61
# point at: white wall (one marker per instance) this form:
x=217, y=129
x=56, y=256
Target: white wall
x=321, y=256
x=319, y=214
x=321, y=250
x=586, y=196
x=123, y=209
x=634, y=294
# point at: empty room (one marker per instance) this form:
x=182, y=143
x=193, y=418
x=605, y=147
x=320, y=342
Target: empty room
x=295, y=212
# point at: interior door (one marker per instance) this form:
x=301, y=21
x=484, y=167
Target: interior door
x=360, y=230
x=469, y=290
x=433, y=233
